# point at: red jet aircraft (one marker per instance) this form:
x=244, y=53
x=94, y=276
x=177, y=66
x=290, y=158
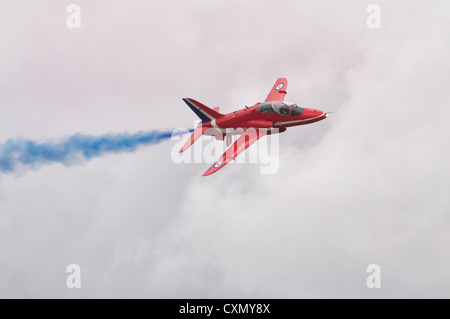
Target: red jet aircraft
x=271, y=116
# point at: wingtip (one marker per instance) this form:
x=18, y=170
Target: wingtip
x=209, y=172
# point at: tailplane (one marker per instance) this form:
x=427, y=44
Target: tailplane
x=194, y=136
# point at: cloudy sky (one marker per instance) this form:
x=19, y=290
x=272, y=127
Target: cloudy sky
x=369, y=185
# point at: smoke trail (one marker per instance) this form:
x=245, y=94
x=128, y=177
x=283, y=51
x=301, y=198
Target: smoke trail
x=74, y=149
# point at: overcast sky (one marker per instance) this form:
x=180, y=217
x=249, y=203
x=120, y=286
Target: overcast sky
x=368, y=185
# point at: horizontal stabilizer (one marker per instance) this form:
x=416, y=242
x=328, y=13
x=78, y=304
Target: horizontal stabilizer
x=194, y=136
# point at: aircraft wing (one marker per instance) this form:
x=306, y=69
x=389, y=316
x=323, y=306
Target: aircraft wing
x=278, y=91
x=241, y=144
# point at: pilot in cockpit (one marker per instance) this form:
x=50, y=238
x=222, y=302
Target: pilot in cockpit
x=282, y=108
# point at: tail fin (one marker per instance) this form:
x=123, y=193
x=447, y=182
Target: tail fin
x=203, y=112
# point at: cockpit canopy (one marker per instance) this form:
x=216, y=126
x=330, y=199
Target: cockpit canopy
x=278, y=107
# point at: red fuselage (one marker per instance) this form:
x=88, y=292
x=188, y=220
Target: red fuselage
x=263, y=115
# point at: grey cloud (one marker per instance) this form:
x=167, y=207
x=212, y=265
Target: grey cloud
x=368, y=185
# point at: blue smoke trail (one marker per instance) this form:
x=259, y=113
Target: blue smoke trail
x=74, y=149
